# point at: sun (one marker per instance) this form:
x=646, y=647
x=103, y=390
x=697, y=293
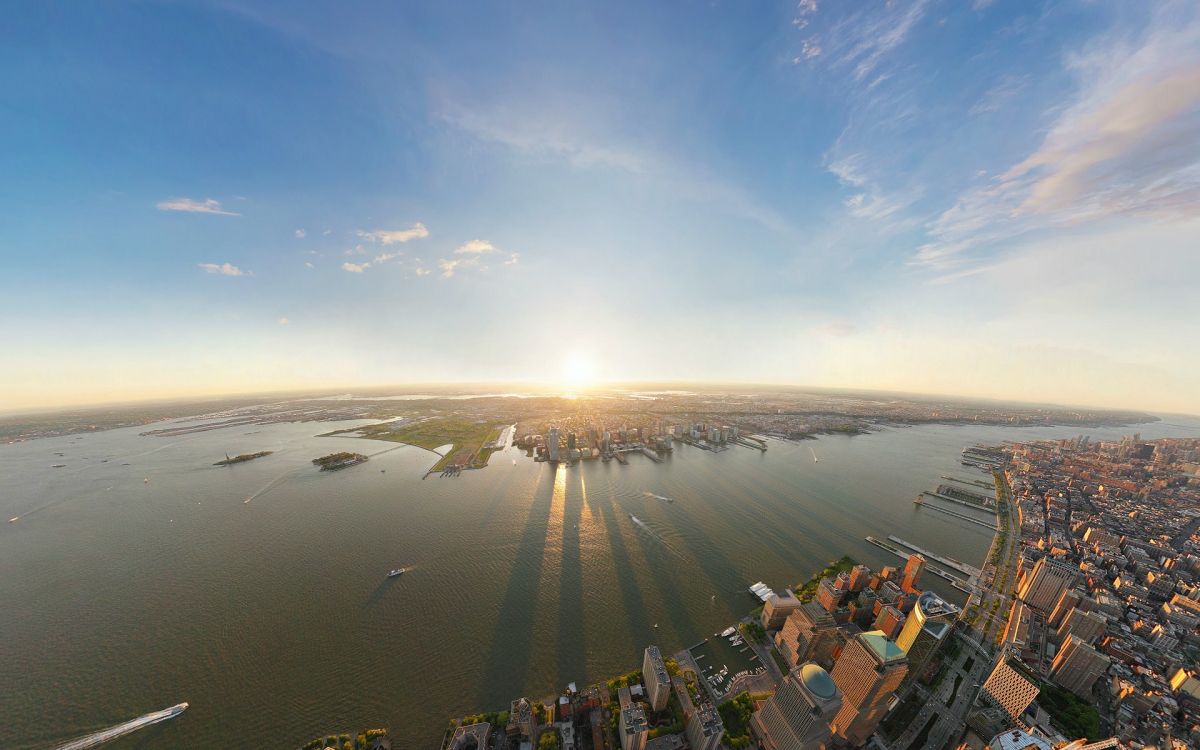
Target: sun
x=578, y=370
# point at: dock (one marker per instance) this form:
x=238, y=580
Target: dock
x=958, y=565
x=970, y=482
x=955, y=581
x=959, y=516
x=964, y=503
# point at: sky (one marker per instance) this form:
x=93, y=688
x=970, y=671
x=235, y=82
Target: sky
x=988, y=199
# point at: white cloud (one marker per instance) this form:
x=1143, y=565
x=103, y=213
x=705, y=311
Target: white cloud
x=309, y=264
x=1127, y=145
x=808, y=7
x=224, y=269
x=385, y=257
x=450, y=266
x=189, y=205
x=355, y=267
x=421, y=271
x=301, y=234
x=512, y=259
x=392, y=236
x=284, y=321
x=475, y=247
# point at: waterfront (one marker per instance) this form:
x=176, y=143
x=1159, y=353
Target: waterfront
x=274, y=620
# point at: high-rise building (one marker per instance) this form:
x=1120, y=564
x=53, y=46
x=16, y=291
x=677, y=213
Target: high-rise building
x=1010, y=686
x=1047, y=581
x=860, y=576
x=658, y=683
x=890, y=621
x=868, y=672
x=521, y=719
x=1076, y=667
x=1067, y=601
x=829, y=596
x=1086, y=626
x=926, y=628
x=635, y=731
x=797, y=717
x=808, y=634
x=777, y=608
x=704, y=728
x=912, y=573
x=552, y=444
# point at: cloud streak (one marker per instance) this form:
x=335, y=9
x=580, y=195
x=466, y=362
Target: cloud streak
x=222, y=269
x=189, y=205
x=393, y=236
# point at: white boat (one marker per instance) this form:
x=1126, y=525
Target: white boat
x=728, y=631
x=397, y=572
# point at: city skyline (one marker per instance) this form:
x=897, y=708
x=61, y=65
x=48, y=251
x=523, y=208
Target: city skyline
x=982, y=200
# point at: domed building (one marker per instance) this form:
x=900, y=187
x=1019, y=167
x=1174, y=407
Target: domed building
x=797, y=717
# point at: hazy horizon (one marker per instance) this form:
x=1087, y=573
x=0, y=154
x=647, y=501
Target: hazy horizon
x=981, y=200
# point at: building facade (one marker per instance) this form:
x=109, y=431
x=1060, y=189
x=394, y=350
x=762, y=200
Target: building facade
x=797, y=717
x=868, y=672
x=658, y=683
x=1076, y=667
x=1047, y=581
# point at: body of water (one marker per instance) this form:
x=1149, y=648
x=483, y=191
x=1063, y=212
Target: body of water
x=274, y=619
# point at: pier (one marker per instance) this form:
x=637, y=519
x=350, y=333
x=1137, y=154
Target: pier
x=958, y=565
x=960, y=516
x=958, y=583
x=970, y=482
x=964, y=503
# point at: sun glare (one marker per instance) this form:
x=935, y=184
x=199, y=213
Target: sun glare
x=578, y=371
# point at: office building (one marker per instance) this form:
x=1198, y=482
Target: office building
x=1010, y=686
x=776, y=609
x=829, y=596
x=1076, y=667
x=868, y=672
x=658, y=684
x=925, y=630
x=552, y=444
x=912, y=574
x=808, y=634
x=1086, y=626
x=890, y=620
x=1047, y=581
x=860, y=577
x=704, y=728
x=521, y=719
x=797, y=717
x=634, y=729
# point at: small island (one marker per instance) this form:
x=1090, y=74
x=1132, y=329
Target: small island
x=242, y=458
x=335, y=461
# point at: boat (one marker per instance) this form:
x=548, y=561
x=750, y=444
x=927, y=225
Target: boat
x=656, y=626
x=146, y=480
x=728, y=631
x=397, y=572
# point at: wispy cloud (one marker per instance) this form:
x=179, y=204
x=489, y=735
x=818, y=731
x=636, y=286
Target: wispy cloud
x=512, y=259
x=392, y=236
x=308, y=264
x=223, y=269
x=385, y=257
x=284, y=321
x=995, y=97
x=190, y=205
x=450, y=266
x=355, y=267
x=301, y=234
x=1128, y=144
x=862, y=40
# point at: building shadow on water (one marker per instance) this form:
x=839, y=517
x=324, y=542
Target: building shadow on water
x=572, y=654
x=509, y=654
x=635, y=605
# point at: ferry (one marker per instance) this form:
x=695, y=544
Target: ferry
x=397, y=572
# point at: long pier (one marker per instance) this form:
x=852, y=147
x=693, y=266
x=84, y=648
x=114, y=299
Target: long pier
x=970, y=482
x=957, y=515
x=958, y=565
x=958, y=583
x=963, y=503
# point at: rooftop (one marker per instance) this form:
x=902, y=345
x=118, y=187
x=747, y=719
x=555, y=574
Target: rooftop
x=884, y=649
x=817, y=681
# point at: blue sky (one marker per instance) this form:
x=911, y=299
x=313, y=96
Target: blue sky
x=992, y=199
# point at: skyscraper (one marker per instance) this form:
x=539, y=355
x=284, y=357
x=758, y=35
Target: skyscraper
x=552, y=444
x=658, y=684
x=926, y=628
x=1010, y=686
x=797, y=717
x=1086, y=626
x=776, y=609
x=1047, y=581
x=1076, y=667
x=808, y=634
x=912, y=573
x=868, y=672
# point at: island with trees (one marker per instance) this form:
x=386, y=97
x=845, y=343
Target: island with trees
x=335, y=461
x=242, y=458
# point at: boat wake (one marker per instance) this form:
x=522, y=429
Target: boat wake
x=120, y=730
x=648, y=493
